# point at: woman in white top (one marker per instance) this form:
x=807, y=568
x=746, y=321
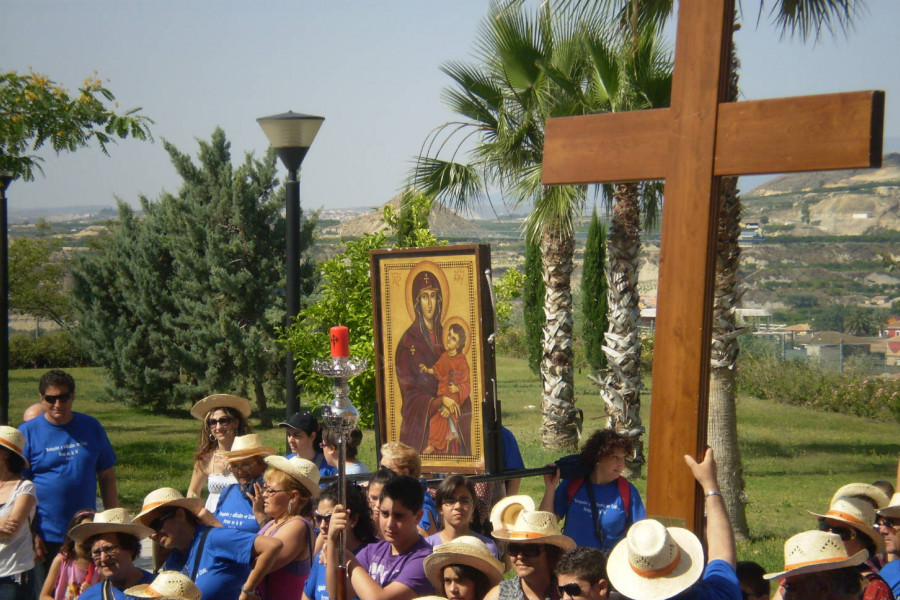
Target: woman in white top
x=224, y=417
x=17, y=506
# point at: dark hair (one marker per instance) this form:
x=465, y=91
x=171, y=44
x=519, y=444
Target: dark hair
x=587, y=564
x=330, y=438
x=751, y=574
x=602, y=443
x=460, y=333
x=405, y=489
x=68, y=547
x=14, y=462
x=382, y=476
x=554, y=553
x=844, y=582
x=127, y=542
x=468, y=573
x=208, y=443
x=449, y=484
x=885, y=486
x=56, y=378
x=364, y=530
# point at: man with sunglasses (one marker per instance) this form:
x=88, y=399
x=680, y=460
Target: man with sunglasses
x=888, y=525
x=581, y=573
x=70, y=454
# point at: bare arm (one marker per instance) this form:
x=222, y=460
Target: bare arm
x=551, y=480
x=52, y=576
x=366, y=587
x=198, y=479
x=265, y=553
x=337, y=524
x=18, y=516
x=512, y=488
x=109, y=491
x=294, y=536
x=493, y=593
x=719, y=535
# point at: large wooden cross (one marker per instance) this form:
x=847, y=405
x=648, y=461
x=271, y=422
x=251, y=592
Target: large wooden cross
x=691, y=145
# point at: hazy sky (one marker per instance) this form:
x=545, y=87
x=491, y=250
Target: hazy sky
x=370, y=68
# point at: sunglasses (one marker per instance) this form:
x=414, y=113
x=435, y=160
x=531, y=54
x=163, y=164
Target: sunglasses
x=572, y=590
x=224, y=422
x=526, y=550
x=61, y=398
x=846, y=533
x=157, y=523
x=321, y=517
x=887, y=523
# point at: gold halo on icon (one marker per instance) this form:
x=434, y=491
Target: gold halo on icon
x=425, y=265
x=465, y=326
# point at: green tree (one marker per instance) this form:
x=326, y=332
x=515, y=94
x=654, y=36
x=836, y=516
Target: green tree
x=507, y=288
x=35, y=111
x=860, y=321
x=36, y=273
x=830, y=318
x=410, y=222
x=533, y=294
x=593, y=294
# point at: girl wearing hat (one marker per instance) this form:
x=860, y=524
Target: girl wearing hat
x=288, y=486
x=534, y=544
x=455, y=497
x=241, y=504
x=463, y=569
x=224, y=417
x=18, y=507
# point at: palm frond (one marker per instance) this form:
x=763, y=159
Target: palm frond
x=809, y=18
x=457, y=185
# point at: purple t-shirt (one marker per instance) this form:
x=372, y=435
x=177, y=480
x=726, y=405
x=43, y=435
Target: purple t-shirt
x=435, y=540
x=407, y=568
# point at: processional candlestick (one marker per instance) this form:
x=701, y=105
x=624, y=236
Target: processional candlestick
x=341, y=417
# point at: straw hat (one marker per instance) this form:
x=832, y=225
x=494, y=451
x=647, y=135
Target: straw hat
x=203, y=407
x=304, y=471
x=464, y=550
x=245, y=446
x=858, y=514
x=507, y=509
x=170, y=497
x=893, y=507
x=114, y=520
x=13, y=440
x=168, y=585
x=531, y=527
x=874, y=493
x=814, y=551
x=654, y=561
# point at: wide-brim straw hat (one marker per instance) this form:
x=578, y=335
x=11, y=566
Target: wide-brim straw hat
x=114, y=520
x=168, y=585
x=245, y=446
x=464, y=550
x=172, y=498
x=866, y=490
x=654, y=562
x=202, y=408
x=892, y=509
x=814, y=551
x=304, y=471
x=534, y=527
x=504, y=513
x=858, y=514
x=13, y=440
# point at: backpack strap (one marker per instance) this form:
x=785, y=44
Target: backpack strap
x=572, y=489
x=199, y=553
x=625, y=493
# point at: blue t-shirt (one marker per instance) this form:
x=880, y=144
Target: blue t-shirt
x=429, y=511
x=435, y=540
x=65, y=460
x=235, y=511
x=224, y=563
x=512, y=457
x=315, y=587
x=891, y=575
x=407, y=568
x=95, y=592
x=719, y=582
x=610, y=510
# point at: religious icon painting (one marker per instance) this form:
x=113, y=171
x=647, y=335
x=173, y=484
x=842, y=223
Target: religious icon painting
x=433, y=316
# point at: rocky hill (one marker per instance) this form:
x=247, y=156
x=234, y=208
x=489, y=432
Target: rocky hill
x=441, y=221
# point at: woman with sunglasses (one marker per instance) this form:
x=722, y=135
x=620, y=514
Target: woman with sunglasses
x=224, y=417
x=360, y=533
x=455, y=498
x=289, y=485
x=534, y=545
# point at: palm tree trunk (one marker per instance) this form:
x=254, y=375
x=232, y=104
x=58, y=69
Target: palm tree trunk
x=265, y=419
x=559, y=430
x=722, y=426
x=621, y=388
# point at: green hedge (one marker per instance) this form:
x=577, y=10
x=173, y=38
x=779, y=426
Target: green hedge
x=56, y=349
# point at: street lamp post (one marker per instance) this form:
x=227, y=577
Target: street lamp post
x=291, y=134
x=5, y=180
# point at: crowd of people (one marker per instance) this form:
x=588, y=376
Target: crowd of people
x=271, y=529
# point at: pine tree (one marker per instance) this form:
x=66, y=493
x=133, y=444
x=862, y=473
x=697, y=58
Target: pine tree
x=533, y=304
x=593, y=294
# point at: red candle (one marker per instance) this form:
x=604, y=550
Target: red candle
x=340, y=342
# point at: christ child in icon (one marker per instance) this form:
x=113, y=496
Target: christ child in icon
x=452, y=373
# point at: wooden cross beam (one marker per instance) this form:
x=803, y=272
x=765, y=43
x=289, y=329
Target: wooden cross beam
x=691, y=145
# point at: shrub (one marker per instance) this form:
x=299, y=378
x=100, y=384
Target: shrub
x=55, y=349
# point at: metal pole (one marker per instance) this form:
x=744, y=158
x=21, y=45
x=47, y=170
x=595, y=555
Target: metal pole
x=292, y=282
x=4, y=301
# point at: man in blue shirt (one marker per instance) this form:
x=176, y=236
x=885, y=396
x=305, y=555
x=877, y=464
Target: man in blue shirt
x=69, y=454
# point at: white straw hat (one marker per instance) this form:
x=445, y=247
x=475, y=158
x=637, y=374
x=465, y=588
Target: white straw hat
x=504, y=513
x=864, y=490
x=304, y=471
x=114, y=520
x=168, y=585
x=13, y=440
x=858, y=514
x=245, y=446
x=534, y=527
x=654, y=562
x=203, y=407
x=893, y=507
x=814, y=551
x=464, y=550
x=170, y=497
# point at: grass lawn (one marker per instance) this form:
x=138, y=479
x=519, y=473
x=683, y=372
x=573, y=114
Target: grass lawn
x=794, y=458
